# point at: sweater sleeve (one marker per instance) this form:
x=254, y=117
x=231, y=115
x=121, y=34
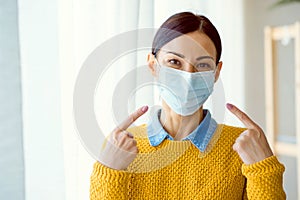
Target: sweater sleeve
x=107, y=183
x=264, y=179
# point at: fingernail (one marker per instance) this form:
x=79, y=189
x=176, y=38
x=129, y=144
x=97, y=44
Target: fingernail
x=144, y=108
x=130, y=135
x=229, y=106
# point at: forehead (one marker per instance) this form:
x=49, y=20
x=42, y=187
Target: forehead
x=192, y=45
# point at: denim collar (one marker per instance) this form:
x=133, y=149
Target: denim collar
x=200, y=137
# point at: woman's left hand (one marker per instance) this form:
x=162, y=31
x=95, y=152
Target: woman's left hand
x=252, y=145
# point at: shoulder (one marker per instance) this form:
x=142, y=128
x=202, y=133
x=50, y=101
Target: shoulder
x=140, y=135
x=230, y=132
x=232, y=129
x=138, y=132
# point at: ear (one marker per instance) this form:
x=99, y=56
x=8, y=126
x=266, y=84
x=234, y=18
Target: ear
x=218, y=70
x=151, y=63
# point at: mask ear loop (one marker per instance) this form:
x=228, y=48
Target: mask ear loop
x=157, y=67
x=215, y=70
x=157, y=71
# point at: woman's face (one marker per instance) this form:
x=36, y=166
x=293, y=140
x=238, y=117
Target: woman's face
x=191, y=52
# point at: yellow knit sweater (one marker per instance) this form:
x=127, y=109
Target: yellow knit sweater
x=178, y=170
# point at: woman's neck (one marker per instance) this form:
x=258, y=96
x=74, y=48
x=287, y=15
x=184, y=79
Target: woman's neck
x=179, y=126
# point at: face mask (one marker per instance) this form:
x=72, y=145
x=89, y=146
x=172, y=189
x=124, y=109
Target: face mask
x=185, y=92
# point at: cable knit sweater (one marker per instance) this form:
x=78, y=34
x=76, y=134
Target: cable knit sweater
x=178, y=170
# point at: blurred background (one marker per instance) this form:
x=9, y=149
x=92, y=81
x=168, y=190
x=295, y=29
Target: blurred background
x=43, y=45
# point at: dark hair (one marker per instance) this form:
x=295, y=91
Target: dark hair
x=182, y=23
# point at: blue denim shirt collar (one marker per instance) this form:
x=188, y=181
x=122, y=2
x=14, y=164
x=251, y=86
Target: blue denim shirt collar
x=200, y=137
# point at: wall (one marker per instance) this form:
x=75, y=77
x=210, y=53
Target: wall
x=258, y=15
x=11, y=146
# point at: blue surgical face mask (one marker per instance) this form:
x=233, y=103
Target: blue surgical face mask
x=184, y=92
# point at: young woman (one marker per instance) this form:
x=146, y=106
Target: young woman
x=183, y=153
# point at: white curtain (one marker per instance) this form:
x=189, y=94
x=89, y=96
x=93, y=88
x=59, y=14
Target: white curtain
x=42, y=136
x=83, y=26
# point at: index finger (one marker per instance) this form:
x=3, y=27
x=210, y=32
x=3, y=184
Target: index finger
x=132, y=117
x=243, y=117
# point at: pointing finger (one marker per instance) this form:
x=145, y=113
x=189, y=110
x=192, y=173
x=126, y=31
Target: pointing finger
x=245, y=119
x=132, y=117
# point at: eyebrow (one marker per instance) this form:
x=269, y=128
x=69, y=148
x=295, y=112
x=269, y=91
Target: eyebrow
x=203, y=57
x=177, y=54
x=182, y=56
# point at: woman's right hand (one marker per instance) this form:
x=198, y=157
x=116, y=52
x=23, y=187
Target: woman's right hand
x=121, y=148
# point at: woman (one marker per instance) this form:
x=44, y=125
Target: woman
x=183, y=153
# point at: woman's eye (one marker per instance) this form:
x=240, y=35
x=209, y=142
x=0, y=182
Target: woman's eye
x=204, y=65
x=174, y=62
